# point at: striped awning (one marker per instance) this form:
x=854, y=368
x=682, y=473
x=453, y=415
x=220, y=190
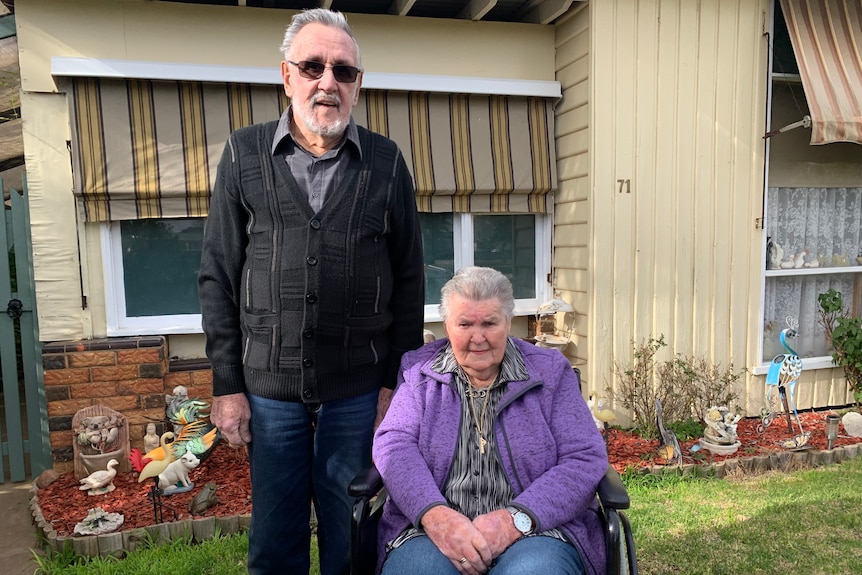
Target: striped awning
x=149, y=149
x=827, y=41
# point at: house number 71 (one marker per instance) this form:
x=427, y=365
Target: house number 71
x=627, y=184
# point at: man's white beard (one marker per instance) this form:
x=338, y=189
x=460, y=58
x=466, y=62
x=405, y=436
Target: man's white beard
x=306, y=114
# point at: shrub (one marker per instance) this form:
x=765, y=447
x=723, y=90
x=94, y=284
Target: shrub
x=700, y=384
x=686, y=386
x=635, y=389
x=845, y=333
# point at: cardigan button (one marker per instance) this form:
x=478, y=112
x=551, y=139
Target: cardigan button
x=311, y=298
x=307, y=362
x=311, y=260
x=315, y=224
x=308, y=333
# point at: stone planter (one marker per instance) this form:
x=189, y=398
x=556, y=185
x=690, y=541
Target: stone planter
x=99, y=461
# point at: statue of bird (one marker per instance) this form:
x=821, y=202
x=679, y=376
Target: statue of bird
x=190, y=419
x=152, y=463
x=784, y=372
x=199, y=437
x=669, y=448
x=100, y=481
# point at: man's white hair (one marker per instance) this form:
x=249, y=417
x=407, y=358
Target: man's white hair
x=317, y=16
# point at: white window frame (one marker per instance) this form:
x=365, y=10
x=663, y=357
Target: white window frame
x=462, y=232
x=118, y=323
x=808, y=363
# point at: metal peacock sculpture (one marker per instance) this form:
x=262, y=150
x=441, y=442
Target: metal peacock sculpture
x=784, y=372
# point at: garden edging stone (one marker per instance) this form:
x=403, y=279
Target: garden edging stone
x=778, y=461
x=118, y=543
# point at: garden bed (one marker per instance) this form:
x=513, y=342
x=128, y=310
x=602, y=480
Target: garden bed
x=627, y=451
x=60, y=506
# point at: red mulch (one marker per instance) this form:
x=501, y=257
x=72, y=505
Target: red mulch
x=64, y=505
x=627, y=450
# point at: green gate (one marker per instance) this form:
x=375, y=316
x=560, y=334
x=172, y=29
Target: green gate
x=23, y=409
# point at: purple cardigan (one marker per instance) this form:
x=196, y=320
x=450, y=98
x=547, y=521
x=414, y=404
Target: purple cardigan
x=547, y=441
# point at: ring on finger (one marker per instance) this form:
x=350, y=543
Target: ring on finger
x=462, y=560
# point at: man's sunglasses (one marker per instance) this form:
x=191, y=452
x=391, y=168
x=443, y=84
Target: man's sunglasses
x=312, y=70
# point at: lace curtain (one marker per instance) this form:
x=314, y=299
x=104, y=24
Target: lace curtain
x=817, y=228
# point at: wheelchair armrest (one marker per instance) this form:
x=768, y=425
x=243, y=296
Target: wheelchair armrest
x=612, y=492
x=366, y=483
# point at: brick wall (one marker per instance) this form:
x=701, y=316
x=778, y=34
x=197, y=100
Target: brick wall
x=130, y=375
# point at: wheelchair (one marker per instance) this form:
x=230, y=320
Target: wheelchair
x=367, y=489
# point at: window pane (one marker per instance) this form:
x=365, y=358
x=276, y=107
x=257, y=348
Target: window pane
x=796, y=297
x=160, y=266
x=508, y=243
x=783, y=58
x=439, y=243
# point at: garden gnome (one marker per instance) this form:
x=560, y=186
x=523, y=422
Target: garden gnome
x=151, y=440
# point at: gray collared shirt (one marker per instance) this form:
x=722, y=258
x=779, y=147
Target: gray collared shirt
x=318, y=176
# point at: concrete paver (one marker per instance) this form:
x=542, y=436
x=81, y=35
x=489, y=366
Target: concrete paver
x=17, y=531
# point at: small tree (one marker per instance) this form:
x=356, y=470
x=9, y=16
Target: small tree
x=685, y=385
x=636, y=390
x=845, y=333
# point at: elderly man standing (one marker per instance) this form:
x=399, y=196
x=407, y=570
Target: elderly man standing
x=311, y=288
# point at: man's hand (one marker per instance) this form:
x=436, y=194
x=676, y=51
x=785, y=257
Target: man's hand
x=498, y=529
x=231, y=414
x=457, y=538
x=384, y=398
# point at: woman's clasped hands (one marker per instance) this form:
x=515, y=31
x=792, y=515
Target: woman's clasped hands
x=471, y=545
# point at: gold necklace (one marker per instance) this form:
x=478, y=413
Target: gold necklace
x=479, y=422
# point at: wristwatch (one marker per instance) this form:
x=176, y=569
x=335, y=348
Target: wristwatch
x=523, y=522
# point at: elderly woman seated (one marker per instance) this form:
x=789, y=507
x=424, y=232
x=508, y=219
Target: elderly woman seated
x=488, y=451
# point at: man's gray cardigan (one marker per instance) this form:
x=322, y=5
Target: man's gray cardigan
x=304, y=306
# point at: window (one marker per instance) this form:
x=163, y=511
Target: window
x=813, y=218
x=510, y=243
x=151, y=276
x=152, y=265
x=817, y=234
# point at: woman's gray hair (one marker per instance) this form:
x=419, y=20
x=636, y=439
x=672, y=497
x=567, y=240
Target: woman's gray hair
x=477, y=284
x=317, y=16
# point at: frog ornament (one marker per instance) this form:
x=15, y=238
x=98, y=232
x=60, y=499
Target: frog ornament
x=205, y=499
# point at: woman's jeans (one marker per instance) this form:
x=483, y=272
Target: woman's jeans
x=296, y=455
x=527, y=556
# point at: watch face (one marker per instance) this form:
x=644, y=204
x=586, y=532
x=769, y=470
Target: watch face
x=523, y=523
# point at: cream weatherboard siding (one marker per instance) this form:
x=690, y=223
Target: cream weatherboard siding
x=573, y=200
x=661, y=174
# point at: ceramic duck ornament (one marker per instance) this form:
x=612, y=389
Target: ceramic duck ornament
x=774, y=254
x=101, y=481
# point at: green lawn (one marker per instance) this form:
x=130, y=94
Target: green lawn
x=806, y=522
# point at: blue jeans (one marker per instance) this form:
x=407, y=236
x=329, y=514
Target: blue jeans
x=526, y=556
x=296, y=456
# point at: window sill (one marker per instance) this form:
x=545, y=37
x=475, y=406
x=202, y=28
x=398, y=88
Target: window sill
x=813, y=271
x=808, y=363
